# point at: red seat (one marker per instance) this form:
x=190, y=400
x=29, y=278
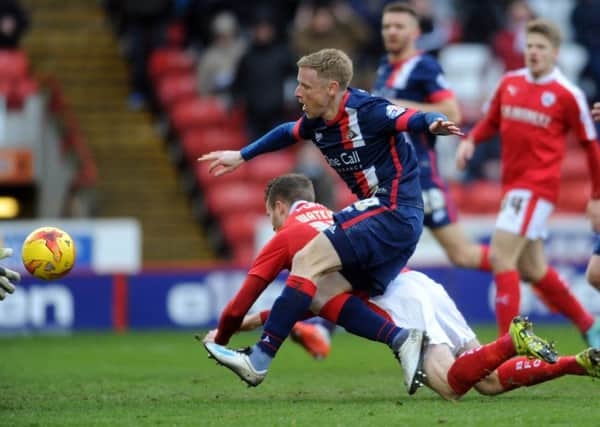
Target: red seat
x=169, y=61
x=14, y=64
x=234, y=197
x=574, y=196
x=196, y=142
x=243, y=254
x=481, y=197
x=176, y=88
x=198, y=113
x=206, y=180
x=240, y=228
x=17, y=91
x=264, y=168
x=343, y=196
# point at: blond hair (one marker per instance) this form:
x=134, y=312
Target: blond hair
x=547, y=29
x=331, y=64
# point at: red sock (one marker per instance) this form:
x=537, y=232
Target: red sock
x=557, y=293
x=484, y=263
x=474, y=365
x=521, y=371
x=508, y=298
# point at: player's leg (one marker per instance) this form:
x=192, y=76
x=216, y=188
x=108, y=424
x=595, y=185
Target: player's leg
x=472, y=368
x=437, y=361
x=460, y=250
x=523, y=372
x=554, y=291
x=523, y=216
x=505, y=248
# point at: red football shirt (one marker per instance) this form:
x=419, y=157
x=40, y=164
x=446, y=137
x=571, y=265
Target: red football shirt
x=303, y=223
x=534, y=118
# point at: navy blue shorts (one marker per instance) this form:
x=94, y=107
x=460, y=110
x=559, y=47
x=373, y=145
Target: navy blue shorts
x=597, y=245
x=439, y=207
x=374, y=242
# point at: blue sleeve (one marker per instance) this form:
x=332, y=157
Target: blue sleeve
x=277, y=138
x=420, y=122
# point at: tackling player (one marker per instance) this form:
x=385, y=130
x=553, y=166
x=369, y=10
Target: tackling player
x=533, y=109
x=8, y=277
x=372, y=239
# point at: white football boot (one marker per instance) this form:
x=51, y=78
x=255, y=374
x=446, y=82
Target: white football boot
x=410, y=354
x=236, y=360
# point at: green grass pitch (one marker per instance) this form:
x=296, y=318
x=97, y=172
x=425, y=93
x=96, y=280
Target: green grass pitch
x=165, y=378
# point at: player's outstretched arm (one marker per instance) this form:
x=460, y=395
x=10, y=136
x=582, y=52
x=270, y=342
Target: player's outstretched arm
x=464, y=152
x=227, y=160
x=8, y=277
x=596, y=112
x=445, y=127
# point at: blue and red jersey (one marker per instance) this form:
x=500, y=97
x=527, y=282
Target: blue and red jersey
x=419, y=79
x=363, y=144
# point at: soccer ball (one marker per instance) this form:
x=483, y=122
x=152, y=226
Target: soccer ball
x=48, y=253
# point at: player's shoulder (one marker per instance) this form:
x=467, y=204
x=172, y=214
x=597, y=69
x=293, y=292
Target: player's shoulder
x=513, y=76
x=566, y=86
x=425, y=61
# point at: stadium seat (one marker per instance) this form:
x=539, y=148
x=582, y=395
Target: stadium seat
x=571, y=60
x=169, y=61
x=14, y=64
x=243, y=254
x=196, y=142
x=234, y=197
x=175, y=88
x=481, y=197
x=240, y=228
x=574, y=196
x=206, y=180
x=343, y=196
x=268, y=166
x=198, y=113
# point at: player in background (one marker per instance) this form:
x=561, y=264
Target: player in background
x=413, y=79
x=372, y=239
x=296, y=219
x=454, y=360
x=8, y=277
x=533, y=109
x=593, y=269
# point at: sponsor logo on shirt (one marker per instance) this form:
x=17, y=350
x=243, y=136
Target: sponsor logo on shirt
x=548, y=98
x=393, y=111
x=346, y=158
x=526, y=115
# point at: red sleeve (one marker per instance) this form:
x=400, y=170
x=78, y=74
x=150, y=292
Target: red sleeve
x=489, y=125
x=273, y=258
x=234, y=313
x=440, y=95
x=593, y=158
x=402, y=120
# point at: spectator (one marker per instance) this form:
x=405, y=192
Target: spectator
x=14, y=21
x=261, y=75
x=509, y=42
x=145, y=30
x=218, y=63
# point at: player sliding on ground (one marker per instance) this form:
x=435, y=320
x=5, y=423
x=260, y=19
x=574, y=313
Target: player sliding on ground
x=454, y=360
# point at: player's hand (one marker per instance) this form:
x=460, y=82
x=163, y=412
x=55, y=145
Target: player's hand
x=227, y=160
x=596, y=112
x=593, y=211
x=8, y=277
x=464, y=152
x=441, y=127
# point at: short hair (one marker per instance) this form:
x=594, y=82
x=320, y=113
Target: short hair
x=289, y=188
x=545, y=28
x=332, y=64
x=400, y=7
